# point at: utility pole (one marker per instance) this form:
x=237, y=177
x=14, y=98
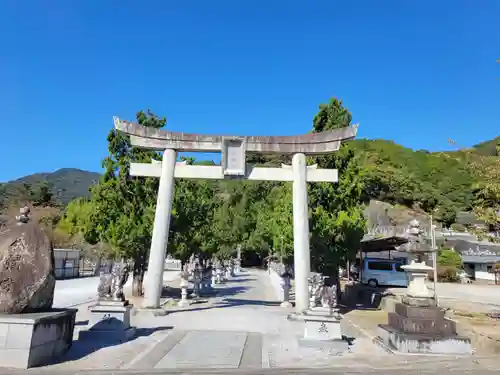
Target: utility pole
x=434, y=256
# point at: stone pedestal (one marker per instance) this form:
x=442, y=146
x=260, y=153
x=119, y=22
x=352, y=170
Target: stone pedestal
x=35, y=339
x=419, y=326
x=323, y=331
x=109, y=320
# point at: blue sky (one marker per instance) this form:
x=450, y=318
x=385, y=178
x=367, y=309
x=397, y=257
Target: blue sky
x=416, y=72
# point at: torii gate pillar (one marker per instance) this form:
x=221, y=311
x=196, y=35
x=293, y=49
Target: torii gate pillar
x=157, y=254
x=301, y=247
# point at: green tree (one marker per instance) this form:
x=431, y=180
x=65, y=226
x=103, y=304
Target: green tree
x=275, y=222
x=193, y=210
x=40, y=194
x=337, y=221
x=123, y=206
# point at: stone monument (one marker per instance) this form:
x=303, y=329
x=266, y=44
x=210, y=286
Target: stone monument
x=110, y=316
x=32, y=333
x=233, y=166
x=418, y=324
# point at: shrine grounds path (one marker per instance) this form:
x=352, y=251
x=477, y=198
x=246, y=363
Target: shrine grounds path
x=241, y=329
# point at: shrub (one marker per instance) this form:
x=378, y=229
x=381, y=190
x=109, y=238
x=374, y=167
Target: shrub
x=449, y=258
x=457, y=227
x=446, y=274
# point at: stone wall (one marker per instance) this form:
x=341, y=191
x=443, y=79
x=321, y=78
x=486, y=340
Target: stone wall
x=275, y=270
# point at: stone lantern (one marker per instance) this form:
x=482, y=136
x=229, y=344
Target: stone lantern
x=417, y=270
x=417, y=324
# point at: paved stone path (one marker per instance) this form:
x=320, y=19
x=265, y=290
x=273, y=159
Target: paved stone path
x=244, y=330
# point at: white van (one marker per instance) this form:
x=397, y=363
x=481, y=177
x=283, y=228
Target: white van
x=387, y=272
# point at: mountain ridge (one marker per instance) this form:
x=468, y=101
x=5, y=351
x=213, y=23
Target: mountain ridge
x=439, y=181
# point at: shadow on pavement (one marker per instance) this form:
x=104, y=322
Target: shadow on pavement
x=82, y=348
x=239, y=302
x=230, y=291
x=243, y=280
x=227, y=302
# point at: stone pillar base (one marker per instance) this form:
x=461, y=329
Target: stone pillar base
x=422, y=329
x=323, y=332
x=109, y=320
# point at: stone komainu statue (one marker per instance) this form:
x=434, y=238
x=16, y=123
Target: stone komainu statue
x=111, y=283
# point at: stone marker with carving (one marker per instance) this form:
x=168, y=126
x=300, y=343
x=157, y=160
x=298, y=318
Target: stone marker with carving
x=35, y=333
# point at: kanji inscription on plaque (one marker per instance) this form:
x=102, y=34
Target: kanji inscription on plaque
x=322, y=328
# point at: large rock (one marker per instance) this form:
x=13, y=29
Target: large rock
x=27, y=278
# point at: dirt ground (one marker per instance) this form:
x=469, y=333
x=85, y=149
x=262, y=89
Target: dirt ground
x=483, y=330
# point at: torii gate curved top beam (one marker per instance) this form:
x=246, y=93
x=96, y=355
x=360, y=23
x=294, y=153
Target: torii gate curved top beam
x=309, y=144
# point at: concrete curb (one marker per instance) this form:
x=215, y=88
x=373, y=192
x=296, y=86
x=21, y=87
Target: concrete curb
x=141, y=355
x=93, y=299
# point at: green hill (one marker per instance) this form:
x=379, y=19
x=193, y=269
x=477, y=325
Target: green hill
x=65, y=184
x=441, y=183
x=488, y=148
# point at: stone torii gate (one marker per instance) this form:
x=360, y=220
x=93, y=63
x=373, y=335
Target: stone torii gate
x=233, y=166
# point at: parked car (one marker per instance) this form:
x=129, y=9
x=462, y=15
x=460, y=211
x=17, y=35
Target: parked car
x=387, y=272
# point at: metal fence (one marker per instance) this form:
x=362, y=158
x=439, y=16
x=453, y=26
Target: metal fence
x=70, y=263
x=67, y=263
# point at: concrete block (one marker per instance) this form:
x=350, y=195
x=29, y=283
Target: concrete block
x=35, y=339
x=19, y=336
x=4, y=329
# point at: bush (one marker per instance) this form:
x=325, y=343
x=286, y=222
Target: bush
x=449, y=258
x=446, y=274
x=457, y=227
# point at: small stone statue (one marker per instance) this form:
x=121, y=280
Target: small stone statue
x=328, y=296
x=104, y=288
x=23, y=218
x=111, y=283
x=120, y=276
